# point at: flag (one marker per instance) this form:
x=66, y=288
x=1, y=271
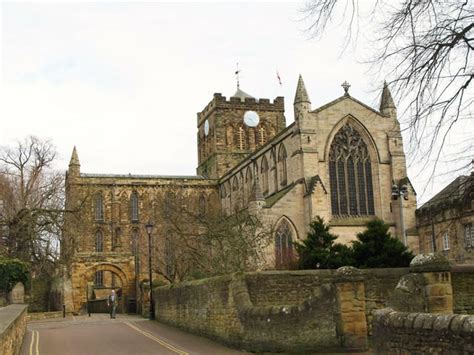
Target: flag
x=278, y=77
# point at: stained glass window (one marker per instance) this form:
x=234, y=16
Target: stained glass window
x=283, y=245
x=350, y=173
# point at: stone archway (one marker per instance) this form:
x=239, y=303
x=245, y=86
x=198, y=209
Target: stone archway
x=113, y=277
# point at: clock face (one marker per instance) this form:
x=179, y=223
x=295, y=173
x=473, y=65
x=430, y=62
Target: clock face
x=251, y=118
x=206, y=127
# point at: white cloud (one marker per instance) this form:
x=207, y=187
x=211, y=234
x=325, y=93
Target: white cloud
x=123, y=81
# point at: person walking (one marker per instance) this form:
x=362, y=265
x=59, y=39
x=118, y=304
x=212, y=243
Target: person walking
x=112, y=303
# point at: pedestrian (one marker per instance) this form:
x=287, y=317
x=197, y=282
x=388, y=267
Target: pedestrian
x=112, y=303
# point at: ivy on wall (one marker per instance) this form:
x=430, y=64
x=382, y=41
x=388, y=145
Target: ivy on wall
x=11, y=272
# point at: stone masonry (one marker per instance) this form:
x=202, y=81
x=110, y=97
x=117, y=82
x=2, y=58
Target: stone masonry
x=287, y=175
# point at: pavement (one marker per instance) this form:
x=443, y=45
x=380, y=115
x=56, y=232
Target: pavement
x=100, y=335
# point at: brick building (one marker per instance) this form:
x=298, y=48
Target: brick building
x=338, y=161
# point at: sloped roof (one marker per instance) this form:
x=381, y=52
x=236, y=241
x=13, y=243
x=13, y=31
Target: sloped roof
x=242, y=94
x=457, y=190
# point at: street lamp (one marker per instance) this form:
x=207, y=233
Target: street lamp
x=396, y=193
x=149, y=230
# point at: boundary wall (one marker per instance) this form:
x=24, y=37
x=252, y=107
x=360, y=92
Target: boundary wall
x=422, y=333
x=274, y=311
x=12, y=328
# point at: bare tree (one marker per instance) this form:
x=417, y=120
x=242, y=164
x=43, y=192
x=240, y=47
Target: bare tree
x=208, y=243
x=32, y=196
x=424, y=48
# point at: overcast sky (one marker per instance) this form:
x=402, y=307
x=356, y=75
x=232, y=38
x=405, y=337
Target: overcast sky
x=124, y=81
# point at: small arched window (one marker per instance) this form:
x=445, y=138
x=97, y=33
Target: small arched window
x=134, y=207
x=202, y=206
x=99, y=208
x=282, y=169
x=240, y=139
x=262, y=136
x=264, y=172
x=99, y=242
x=284, y=255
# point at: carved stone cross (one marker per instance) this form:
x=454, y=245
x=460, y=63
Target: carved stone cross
x=345, y=85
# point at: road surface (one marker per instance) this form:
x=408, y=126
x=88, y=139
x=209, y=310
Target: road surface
x=101, y=335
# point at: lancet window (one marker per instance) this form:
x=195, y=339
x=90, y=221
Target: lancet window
x=284, y=254
x=240, y=138
x=262, y=135
x=134, y=207
x=264, y=171
x=99, y=208
x=202, y=206
x=350, y=174
x=282, y=169
x=99, y=242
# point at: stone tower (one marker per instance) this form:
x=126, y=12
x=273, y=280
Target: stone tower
x=230, y=130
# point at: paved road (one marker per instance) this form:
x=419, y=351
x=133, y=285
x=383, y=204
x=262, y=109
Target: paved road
x=101, y=335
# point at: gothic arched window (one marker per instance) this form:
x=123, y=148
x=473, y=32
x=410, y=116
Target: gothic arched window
x=264, y=171
x=99, y=208
x=350, y=174
x=282, y=169
x=202, y=206
x=240, y=141
x=262, y=135
x=249, y=181
x=134, y=207
x=284, y=255
x=99, y=242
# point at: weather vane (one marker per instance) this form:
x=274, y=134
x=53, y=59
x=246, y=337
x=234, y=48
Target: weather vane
x=237, y=72
x=345, y=85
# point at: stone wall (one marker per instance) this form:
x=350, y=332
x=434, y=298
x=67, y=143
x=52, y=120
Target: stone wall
x=379, y=288
x=38, y=296
x=462, y=278
x=292, y=311
x=422, y=333
x=12, y=328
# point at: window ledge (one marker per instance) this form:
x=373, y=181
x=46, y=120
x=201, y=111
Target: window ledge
x=351, y=220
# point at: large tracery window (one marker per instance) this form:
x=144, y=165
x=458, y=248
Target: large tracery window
x=284, y=255
x=350, y=173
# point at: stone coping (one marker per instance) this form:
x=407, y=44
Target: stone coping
x=453, y=323
x=462, y=268
x=8, y=315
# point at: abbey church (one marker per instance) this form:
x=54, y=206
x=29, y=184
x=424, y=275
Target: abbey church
x=338, y=161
